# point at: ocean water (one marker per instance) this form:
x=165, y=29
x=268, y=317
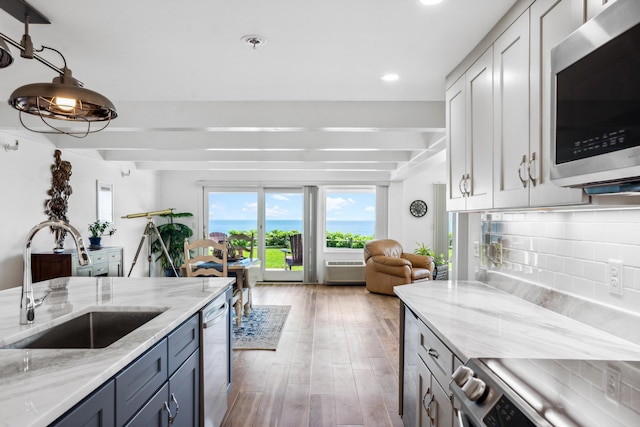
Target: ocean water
x=363, y=228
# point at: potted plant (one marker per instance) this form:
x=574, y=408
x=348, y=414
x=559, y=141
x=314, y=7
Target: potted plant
x=173, y=235
x=98, y=229
x=442, y=267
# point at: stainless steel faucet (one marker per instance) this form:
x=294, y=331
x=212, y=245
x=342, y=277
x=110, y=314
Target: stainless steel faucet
x=27, y=303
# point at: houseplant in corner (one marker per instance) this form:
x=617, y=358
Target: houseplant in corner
x=442, y=267
x=173, y=235
x=98, y=229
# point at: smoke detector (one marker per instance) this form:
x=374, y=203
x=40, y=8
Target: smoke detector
x=254, y=41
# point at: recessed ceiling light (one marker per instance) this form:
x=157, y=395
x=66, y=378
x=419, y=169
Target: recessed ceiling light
x=429, y=2
x=391, y=77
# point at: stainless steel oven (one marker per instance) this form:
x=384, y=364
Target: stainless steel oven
x=482, y=399
x=546, y=392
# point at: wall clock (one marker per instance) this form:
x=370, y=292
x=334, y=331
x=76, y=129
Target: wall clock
x=418, y=208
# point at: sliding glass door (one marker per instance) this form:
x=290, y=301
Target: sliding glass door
x=230, y=212
x=284, y=234
x=274, y=216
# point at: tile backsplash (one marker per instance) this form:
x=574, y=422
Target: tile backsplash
x=566, y=251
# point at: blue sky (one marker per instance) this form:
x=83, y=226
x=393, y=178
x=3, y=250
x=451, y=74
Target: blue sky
x=288, y=206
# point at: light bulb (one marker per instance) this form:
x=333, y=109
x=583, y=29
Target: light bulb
x=429, y=2
x=65, y=104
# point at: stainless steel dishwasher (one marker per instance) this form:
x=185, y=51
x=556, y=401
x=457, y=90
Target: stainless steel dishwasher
x=408, y=367
x=216, y=360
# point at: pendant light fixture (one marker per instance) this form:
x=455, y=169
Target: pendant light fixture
x=63, y=99
x=6, y=58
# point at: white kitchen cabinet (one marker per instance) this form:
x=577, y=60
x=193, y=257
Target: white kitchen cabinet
x=469, y=108
x=456, y=146
x=594, y=7
x=551, y=21
x=523, y=123
x=511, y=115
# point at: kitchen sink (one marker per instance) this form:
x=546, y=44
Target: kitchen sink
x=96, y=329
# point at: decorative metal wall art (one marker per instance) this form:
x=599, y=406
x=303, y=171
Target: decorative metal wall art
x=57, y=206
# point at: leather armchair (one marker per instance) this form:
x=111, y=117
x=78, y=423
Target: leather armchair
x=388, y=266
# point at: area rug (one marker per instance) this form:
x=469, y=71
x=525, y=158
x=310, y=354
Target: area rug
x=260, y=330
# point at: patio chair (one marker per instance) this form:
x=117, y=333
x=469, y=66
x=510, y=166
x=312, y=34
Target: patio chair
x=242, y=243
x=218, y=236
x=295, y=257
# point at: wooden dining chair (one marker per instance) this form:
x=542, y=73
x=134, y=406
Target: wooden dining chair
x=209, y=259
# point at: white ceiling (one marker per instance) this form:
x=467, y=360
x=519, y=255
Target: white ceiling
x=308, y=104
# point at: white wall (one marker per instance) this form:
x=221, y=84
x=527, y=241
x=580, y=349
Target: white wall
x=26, y=177
x=403, y=227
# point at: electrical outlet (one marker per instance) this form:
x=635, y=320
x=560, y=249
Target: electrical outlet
x=612, y=384
x=476, y=249
x=614, y=276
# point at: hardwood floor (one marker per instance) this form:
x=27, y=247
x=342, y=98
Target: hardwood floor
x=336, y=363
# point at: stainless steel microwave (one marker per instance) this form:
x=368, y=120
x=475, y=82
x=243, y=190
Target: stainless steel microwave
x=595, y=111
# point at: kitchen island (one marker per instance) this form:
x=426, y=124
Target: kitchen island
x=583, y=375
x=39, y=385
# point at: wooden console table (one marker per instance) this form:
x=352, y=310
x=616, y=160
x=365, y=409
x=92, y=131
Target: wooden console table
x=106, y=261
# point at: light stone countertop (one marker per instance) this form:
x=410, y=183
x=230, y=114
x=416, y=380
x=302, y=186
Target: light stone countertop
x=475, y=320
x=39, y=385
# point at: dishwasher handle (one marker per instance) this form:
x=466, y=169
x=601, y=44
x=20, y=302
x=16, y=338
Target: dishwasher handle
x=211, y=317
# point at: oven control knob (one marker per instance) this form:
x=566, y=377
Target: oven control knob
x=461, y=375
x=474, y=388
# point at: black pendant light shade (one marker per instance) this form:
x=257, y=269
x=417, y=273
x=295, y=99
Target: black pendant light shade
x=6, y=58
x=63, y=99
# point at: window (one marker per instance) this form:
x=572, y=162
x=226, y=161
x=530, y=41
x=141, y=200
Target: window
x=350, y=217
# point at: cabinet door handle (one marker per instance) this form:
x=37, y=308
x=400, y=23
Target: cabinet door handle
x=467, y=185
x=462, y=191
x=427, y=408
x=432, y=419
x=173, y=418
x=433, y=353
x=520, y=166
x=427, y=393
x=166, y=408
x=531, y=161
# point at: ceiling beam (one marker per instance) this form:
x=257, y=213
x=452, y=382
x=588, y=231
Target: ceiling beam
x=172, y=140
x=268, y=166
x=257, y=156
x=265, y=115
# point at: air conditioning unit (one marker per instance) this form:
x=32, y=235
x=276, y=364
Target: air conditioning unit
x=349, y=271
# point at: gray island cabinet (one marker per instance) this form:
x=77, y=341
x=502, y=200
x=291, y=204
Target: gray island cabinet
x=151, y=376
x=146, y=391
